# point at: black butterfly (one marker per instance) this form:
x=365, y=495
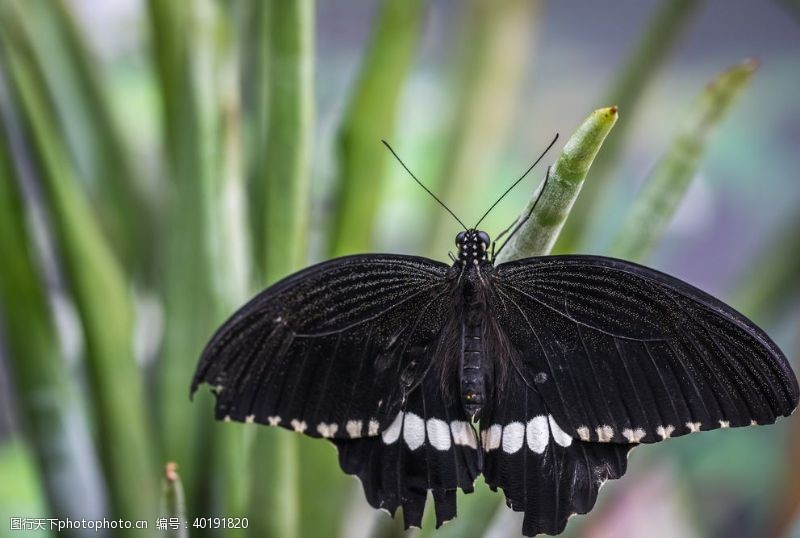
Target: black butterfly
x=564, y=363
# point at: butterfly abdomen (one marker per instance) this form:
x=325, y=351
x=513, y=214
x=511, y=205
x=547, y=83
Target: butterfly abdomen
x=472, y=365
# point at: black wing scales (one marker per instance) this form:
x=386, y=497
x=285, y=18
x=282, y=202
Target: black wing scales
x=623, y=353
x=330, y=351
x=428, y=446
x=544, y=471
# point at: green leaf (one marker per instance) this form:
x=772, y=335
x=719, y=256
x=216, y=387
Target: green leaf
x=370, y=117
x=496, y=49
x=183, y=33
x=538, y=234
x=772, y=281
x=20, y=494
x=47, y=399
x=95, y=139
x=274, y=509
x=667, y=183
x=627, y=90
x=98, y=289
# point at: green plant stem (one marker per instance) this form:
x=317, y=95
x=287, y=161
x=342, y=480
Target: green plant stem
x=496, y=44
x=627, y=90
x=98, y=289
x=51, y=411
x=538, y=234
x=192, y=308
x=667, y=183
x=274, y=497
x=370, y=117
x=255, y=37
x=230, y=258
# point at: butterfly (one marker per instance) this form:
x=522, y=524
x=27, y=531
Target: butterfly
x=541, y=374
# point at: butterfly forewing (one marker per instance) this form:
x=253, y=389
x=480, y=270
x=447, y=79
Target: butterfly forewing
x=622, y=353
x=330, y=351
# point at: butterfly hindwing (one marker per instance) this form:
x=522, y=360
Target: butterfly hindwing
x=332, y=350
x=623, y=353
x=545, y=472
x=428, y=447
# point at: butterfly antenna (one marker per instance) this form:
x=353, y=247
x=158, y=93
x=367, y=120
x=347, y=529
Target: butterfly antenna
x=385, y=143
x=517, y=181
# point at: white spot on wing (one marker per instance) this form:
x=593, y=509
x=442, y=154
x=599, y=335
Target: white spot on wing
x=298, y=425
x=537, y=434
x=250, y=419
x=583, y=433
x=392, y=433
x=413, y=431
x=559, y=435
x=724, y=424
x=493, y=437
x=274, y=421
x=753, y=423
x=665, y=431
x=633, y=436
x=227, y=418
x=693, y=426
x=372, y=428
x=438, y=434
x=353, y=428
x=513, y=437
x=605, y=433
x=463, y=434
x=327, y=430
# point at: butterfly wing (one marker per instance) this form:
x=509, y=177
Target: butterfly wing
x=623, y=353
x=429, y=446
x=333, y=350
x=544, y=471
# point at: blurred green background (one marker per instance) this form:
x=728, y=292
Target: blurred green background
x=161, y=161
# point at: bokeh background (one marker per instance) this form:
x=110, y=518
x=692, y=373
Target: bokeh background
x=161, y=161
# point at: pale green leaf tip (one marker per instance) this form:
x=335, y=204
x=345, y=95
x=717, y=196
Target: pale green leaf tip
x=582, y=147
x=173, y=500
x=538, y=235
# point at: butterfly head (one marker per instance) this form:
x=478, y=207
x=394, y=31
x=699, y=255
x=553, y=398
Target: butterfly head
x=473, y=246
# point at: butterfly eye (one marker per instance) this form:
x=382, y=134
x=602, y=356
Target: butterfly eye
x=484, y=237
x=460, y=238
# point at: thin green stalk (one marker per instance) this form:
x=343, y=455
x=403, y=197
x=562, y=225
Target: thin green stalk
x=538, y=234
x=96, y=139
x=496, y=45
x=667, y=183
x=627, y=90
x=275, y=495
x=47, y=398
x=174, y=502
x=370, y=117
x=98, y=289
